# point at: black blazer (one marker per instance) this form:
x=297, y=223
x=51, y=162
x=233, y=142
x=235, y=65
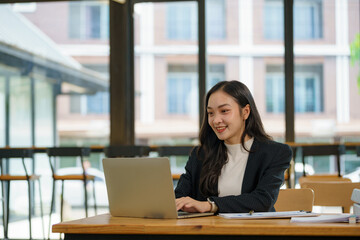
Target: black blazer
x=264, y=175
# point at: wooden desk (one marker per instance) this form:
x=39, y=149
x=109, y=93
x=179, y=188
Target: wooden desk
x=214, y=227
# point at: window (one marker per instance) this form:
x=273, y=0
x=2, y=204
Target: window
x=179, y=93
x=20, y=111
x=44, y=117
x=307, y=93
x=88, y=20
x=216, y=74
x=182, y=89
x=215, y=19
x=98, y=103
x=273, y=20
x=307, y=19
x=308, y=89
x=90, y=104
x=275, y=95
x=182, y=20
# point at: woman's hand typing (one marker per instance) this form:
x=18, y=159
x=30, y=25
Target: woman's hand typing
x=188, y=204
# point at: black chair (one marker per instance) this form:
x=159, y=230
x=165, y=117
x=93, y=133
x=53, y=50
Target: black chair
x=358, y=151
x=322, y=150
x=174, y=150
x=126, y=151
x=168, y=151
x=79, y=152
x=6, y=178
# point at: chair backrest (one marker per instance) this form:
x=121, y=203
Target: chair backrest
x=358, y=151
x=177, y=151
x=321, y=150
x=67, y=152
x=323, y=178
x=16, y=153
x=332, y=193
x=174, y=150
x=295, y=200
x=126, y=151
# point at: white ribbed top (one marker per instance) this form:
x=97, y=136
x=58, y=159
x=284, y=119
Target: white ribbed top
x=232, y=173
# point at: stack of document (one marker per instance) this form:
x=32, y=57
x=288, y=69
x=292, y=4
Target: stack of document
x=356, y=198
x=326, y=218
x=257, y=215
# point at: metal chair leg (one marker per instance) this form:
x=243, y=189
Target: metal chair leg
x=41, y=210
x=62, y=200
x=7, y=208
x=3, y=198
x=51, y=207
x=86, y=200
x=62, y=203
x=95, y=207
x=30, y=208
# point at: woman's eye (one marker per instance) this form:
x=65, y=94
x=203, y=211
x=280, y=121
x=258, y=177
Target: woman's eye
x=210, y=113
x=224, y=111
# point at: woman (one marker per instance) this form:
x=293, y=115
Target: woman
x=237, y=167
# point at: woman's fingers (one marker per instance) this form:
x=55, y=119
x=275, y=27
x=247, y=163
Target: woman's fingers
x=181, y=202
x=188, y=204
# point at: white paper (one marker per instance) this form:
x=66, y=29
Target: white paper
x=257, y=215
x=326, y=218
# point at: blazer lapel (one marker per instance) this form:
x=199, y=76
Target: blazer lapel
x=252, y=166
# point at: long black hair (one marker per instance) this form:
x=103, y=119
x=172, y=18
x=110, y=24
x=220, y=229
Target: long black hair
x=213, y=150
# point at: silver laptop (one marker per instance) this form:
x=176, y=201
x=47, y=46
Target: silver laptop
x=141, y=187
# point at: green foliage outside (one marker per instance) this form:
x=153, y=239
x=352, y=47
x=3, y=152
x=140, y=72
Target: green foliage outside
x=355, y=55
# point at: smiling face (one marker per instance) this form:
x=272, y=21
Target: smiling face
x=226, y=118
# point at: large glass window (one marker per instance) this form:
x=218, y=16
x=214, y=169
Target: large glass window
x=41, y=67
x=2, y=112
x=326, y=88
x=20, y=112
x=44, y=113
x=82, y=112
x=166, y=77
x=308, y=19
